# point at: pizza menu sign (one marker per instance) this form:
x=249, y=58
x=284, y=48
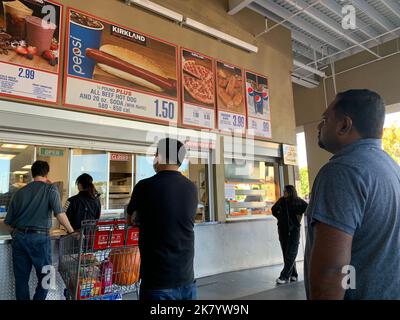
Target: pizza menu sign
x=117, y=70
x=198, y=90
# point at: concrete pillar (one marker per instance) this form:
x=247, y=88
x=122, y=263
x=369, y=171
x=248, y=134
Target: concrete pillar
x=219, y=182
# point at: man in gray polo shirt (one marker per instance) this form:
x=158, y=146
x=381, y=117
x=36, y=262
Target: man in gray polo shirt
x=353, y=238
x=29, y=221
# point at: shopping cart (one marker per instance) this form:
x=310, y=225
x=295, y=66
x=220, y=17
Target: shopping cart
x=101, y=262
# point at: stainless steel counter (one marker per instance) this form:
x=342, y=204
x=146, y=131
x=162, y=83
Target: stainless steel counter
x=7, y=285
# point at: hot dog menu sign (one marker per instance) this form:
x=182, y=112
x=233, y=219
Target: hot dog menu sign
x=113, y=69
x=29, y=49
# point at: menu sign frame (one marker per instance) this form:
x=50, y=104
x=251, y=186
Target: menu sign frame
x=230, y=98
x=98, y=85
x=198, y=90
x=258, y=106
x=30, y=62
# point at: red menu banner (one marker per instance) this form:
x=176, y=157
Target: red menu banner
x=198, y=90
x=230, y=98
x=258, y=106
x=29, y=49
x=117, y=70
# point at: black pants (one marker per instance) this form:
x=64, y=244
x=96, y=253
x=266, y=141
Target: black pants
x=290, y=246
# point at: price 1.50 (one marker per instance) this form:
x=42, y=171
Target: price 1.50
x=165, y=109
x=26, y=73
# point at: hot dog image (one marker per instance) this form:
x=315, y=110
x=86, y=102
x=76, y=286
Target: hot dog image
x=131, y=66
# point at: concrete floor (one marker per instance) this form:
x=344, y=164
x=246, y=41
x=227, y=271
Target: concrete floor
x=250, y=284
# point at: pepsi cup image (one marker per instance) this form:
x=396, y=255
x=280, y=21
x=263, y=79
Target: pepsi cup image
x=258, y=100
x=250, y=95
x=84, y=33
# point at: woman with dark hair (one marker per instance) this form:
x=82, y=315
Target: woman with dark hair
x=289, y=210
x=85, y=205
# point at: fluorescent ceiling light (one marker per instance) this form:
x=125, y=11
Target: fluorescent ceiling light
x=308, y=83
x=28, y=166
x=308, y=68
x=20, y=172
x=14, y=146
x=220, y=35
x=6, y=156
x=157, y=9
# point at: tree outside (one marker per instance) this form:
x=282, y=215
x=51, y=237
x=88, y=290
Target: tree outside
x=391, y=142
x=304, y=184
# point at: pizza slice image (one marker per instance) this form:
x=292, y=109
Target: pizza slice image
x=200, y=90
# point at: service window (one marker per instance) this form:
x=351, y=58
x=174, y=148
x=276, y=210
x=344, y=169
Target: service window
x=57, y=158
x=94, y=163
x=194, y=168
x=251, y=188
x=121, y=171
x=15, y=170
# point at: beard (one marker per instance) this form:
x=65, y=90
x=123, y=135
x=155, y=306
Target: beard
x=320, y=142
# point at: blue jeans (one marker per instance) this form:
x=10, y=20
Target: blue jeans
x=188, y=292
x=30, y=249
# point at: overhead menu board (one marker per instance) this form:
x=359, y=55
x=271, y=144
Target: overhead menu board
x=29, y=49
x=258, y=107
x=230, y=98
x=198, y=90
x=117, y=70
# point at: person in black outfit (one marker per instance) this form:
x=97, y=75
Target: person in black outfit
x=164, y=207
x=289, y=210
x=85, y=205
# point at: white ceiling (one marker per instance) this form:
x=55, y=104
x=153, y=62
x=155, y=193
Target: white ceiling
x=317, y=34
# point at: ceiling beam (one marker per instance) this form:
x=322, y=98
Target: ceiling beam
x=296, y=35
x=301, y=23
x=329, y=23
x=308, y=42
x=236, y=5
x=308, y=68
x=361, y=25
x=374, y=14
x=393, y=6
x=307, y=53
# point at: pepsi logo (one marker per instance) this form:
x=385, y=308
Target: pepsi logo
x=258, y=99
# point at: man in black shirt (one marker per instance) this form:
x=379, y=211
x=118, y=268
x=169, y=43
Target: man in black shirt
x=164, y=207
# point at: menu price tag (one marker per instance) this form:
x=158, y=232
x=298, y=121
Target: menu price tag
x=28, y=83
x=198, y=89
x=117, y=70
x=231, y=122
x=200, y=117
x=30, y=47
x=262, y=128
x=230, y=98
x=116, y=100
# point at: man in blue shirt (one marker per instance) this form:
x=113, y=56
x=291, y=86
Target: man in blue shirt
x=29, y=221
x=353, y=238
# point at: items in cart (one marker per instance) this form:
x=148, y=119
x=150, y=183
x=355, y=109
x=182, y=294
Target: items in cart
x=126, y=265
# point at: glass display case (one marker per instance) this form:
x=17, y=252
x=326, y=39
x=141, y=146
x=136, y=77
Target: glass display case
x=250, y=189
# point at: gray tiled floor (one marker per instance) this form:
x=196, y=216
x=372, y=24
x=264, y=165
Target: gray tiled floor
x=250, y=284
x=254, y=284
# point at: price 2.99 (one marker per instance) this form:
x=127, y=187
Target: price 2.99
x=26, y=73
x=165, y=109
